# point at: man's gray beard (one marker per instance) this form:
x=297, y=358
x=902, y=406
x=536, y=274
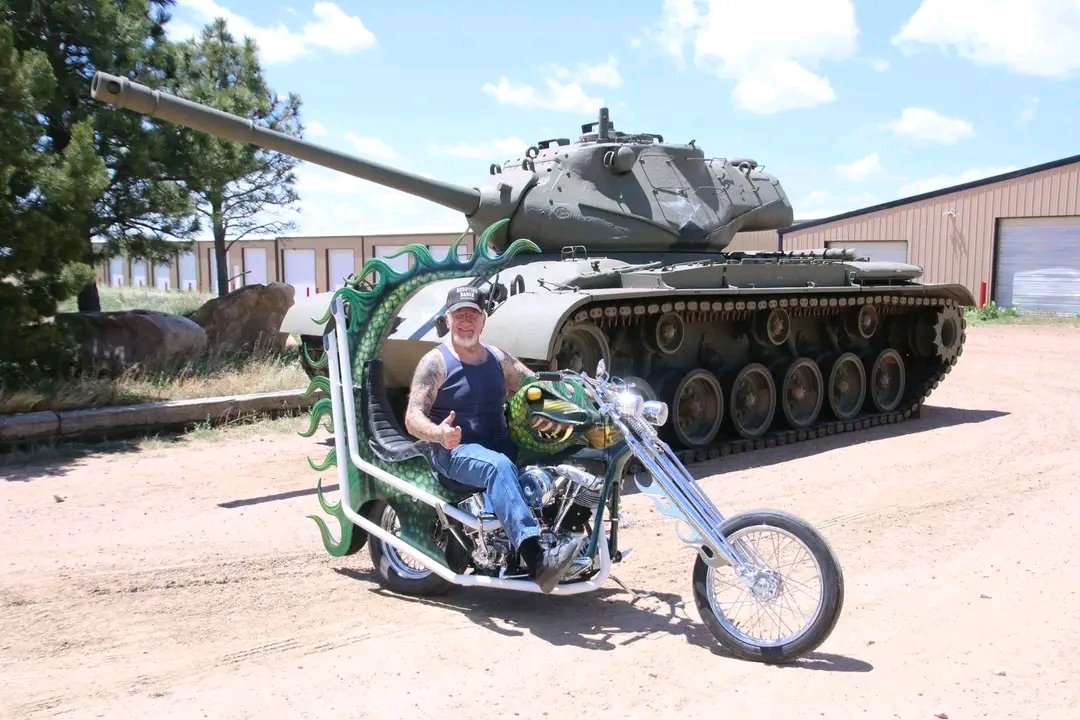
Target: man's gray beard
x=466, y=342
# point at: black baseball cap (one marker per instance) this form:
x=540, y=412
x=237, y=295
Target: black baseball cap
x=464, y=296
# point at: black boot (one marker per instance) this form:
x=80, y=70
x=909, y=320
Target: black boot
x=548, y=563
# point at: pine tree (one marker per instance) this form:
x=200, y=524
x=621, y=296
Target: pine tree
x=239, y=189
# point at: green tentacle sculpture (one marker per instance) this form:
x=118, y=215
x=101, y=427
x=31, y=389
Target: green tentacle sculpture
x=374, y=297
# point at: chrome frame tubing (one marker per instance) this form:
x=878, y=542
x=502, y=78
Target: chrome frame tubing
x=680, y=487
x=345, y=441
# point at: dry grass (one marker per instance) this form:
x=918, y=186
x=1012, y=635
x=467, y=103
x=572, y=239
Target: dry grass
x=211, y=375
x=127, y=298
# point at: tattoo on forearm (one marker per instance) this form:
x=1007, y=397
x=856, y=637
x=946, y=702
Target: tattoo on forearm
x=514, y=371
x=426, y=381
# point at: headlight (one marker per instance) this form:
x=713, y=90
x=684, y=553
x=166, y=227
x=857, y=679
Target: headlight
x=629, y=404
x=654, y=412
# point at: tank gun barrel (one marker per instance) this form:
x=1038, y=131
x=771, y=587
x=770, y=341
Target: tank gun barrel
x=124, y=93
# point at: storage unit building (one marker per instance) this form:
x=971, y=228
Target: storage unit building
x=1016, y=234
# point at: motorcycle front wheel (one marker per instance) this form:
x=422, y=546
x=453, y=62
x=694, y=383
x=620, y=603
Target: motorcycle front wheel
x=790, y=599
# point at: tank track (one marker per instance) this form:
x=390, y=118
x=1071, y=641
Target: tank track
x=889, y=304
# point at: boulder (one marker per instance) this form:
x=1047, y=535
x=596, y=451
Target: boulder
x=115, y=341
x=247, y=318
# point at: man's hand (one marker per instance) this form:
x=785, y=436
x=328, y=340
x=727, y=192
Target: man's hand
x=451, y=435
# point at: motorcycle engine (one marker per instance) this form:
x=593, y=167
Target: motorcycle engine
x=562, y=495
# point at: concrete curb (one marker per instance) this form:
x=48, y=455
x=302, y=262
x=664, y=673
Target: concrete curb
x=128, y=420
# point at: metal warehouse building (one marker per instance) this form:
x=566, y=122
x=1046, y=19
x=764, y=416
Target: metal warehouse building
x=311, y=264
x=1012, y=238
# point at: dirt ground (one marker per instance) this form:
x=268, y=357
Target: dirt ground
x=185, y=581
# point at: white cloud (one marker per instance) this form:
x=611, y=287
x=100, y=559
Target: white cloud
x=336, y=204
x=938, y=182
x=315, y=129
x=605, y=74
x=821, y=203
x=496, y=149
x=1027, y=111
x=374, y=148
x=1031, y=37
x=924, y=124
x=773, y=70
x=880, y=65
x=331, y=29
x=561, y=96
x=862, y=169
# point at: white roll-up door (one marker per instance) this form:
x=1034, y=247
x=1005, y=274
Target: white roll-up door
x=138, y=273
x=162, y=275
x=341, y=266
x=188, y=272
x=876, y=250
x=116, y=271
x=1038, y=265
x=254, y=266
x=401, y=262
x=299, y=271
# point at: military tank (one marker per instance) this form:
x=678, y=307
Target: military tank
x=749, y=349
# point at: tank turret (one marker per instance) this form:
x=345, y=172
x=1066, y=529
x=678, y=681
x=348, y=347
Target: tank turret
x=607, y=191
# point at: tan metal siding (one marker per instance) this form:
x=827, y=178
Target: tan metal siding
x=955, y=249
x=754, y=240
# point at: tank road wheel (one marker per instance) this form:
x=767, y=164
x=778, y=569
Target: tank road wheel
x=862, y=322
x=794, y=596
x=846, y=386
x=666, y=333
x=752, y=401
x=801, y=393
x=697, y=408
x=948, y=333
x=641, y=387
x=580, y=348
x=773, y=327
x=399, y=571
x=886, y=380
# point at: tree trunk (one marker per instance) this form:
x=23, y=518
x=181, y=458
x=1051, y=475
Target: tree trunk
x=219, y=251
x=89, y=299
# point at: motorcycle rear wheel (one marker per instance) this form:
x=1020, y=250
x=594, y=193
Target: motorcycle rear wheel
x=398, y=571
x=780, y=592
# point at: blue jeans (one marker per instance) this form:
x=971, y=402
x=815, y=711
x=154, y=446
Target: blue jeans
x=494, y=473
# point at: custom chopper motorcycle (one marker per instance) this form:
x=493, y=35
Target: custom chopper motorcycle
x=765, y=582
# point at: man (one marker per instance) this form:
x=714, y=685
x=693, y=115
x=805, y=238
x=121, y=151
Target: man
x=456, y=404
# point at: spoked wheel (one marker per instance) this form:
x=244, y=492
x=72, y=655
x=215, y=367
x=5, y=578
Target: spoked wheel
x=846, y=386
x=886, y=380
x=801, y=393
x=399, y=571
x=752, y=401
x=790, y=598
x=581, y=347
x=697, y=408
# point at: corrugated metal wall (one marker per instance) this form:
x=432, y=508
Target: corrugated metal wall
x=952, y=236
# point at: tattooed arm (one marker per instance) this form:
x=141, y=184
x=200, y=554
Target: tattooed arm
x=428, y=378
x=514, y=371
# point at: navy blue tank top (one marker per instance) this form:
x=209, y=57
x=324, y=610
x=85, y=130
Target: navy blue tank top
x=476, y=393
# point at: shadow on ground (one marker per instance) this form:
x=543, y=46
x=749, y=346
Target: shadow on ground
x=605, y=619
x=25, y=465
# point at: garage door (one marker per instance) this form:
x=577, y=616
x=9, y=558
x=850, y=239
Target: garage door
x=341, y=263
x=1038, y=265
x=299, y=267
x=254, y=266
x=877, y=250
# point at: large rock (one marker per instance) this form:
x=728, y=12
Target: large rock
x=116, y=341
x=247, y=318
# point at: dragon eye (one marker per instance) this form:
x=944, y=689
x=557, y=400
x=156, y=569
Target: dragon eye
x=533, y=394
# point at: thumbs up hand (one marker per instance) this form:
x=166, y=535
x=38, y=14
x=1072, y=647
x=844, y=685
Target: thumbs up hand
x=451, y=434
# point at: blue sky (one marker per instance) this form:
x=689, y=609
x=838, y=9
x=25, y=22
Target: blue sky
x=848, y=103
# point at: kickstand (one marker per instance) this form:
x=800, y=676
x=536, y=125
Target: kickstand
x=636, y=595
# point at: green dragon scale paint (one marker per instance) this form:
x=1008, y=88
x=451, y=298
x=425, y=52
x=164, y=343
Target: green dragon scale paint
x=374, y=297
